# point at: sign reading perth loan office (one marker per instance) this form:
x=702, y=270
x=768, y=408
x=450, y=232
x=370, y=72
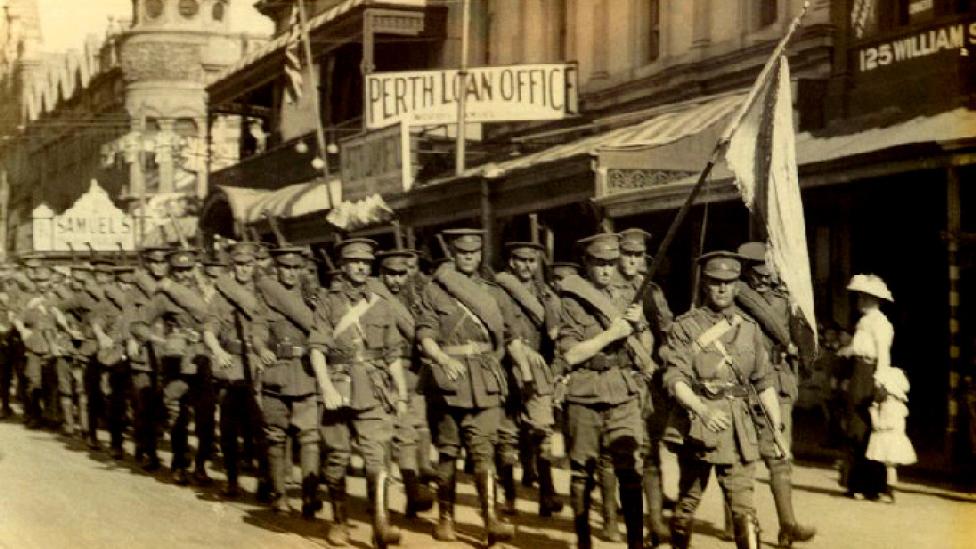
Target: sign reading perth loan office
x=492, y=94
x=955, y=36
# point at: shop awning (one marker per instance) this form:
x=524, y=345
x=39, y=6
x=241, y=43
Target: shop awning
x=324, y=18
x=251, y=205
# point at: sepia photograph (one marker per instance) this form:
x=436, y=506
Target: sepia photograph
x=522, y=274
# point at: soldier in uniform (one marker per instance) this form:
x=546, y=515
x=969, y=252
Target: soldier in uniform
x=356, y=350
x=20, y=289
x=237, y=335
x=601, y=340
x=461, y=329
x=289, y=390
x=562, y=269
x=534, y=308
x=37, y=325
x=8, y=296
x=712, y=354
x=147, y=395
x=412, y=436
x=632, y=266
x=179, y=304
x=770, y=309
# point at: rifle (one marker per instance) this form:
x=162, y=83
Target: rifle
x=273, y=221
x=781, y=451
x=185, y=245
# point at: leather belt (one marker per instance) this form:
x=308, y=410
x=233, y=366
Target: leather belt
x=291, y=351
x=363, y=355
x=602, y=363
x=471, y=348
x=734, y=390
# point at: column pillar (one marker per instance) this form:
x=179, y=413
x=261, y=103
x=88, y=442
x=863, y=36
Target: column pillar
x=700, y=30
x=953, y=233
x=164, y=156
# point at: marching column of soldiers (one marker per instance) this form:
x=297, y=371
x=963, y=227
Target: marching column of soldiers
x=459, y=362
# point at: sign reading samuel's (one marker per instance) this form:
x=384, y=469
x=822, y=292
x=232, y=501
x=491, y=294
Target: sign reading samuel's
x=492, y=94
x=93, y=219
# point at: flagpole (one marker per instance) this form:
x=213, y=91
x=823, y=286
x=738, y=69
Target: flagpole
x=713, y=158
x=462, y=79
x=310, y=74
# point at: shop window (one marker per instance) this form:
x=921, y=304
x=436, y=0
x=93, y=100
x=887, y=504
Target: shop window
x=768, y=13
x=653, y=30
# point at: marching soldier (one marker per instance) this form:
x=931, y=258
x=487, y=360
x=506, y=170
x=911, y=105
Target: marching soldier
x=38, y=327
x=289, y=389
x=717, y=365
x=8, y=298
x=237, y=335
x=144, y=361
x=771, y=310
x=181, y=307
x=633, y=263
x=534, y=308
x=356, y=350
x=412, y=436
x=461, y=329
x=600, y=339
x=75, y=368
x=111, y=328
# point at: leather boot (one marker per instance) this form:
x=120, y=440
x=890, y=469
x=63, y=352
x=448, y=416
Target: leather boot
x=383, y=533
x=747, y=532
x=308, y=458
x=446, y=492
x=608, y=495
x=68, y=410
x=506, y=477
x=680, y=538
x=579, y=495
x=419, y=498
x=495, y=530
x=279, y=477
x=549, y=503
x=338, y=534
x=233, y=489
x=781, y=485
x=528, y=459
x=727, y=534
x=654, y=491
x=425, y=469
x=632, y=501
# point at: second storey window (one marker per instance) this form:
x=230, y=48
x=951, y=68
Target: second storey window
x=653, y=30
x=767, y=13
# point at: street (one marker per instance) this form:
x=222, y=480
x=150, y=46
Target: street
x=57, y=494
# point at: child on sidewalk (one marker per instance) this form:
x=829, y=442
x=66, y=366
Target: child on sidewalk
x=888, y=443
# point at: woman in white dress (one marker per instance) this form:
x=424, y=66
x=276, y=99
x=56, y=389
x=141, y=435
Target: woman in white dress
x=870, y=351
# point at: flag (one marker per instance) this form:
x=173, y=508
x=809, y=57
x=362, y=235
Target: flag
x=761, y=153
x=293, y=59
x=351, y=216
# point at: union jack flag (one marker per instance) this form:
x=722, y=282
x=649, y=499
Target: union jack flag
x=293, y=58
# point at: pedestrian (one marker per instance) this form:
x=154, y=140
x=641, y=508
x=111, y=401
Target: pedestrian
x=769, y=307
x=461, y=330
x=289, y=389
x=601, y=338
x=870, y=352
x=534, y=307
x=355, y=352
x=888, y=443
x=412, y=436
x=717, y=363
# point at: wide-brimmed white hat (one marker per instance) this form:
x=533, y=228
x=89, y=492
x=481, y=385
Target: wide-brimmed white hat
x=870, y=284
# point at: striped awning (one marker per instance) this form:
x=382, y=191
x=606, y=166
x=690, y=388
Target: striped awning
x=660, y=127
x=251, y=205
x=327, y=16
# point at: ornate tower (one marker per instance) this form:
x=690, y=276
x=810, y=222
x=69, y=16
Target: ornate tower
x=167, y=57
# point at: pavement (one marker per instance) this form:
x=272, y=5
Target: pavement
x=56, y=493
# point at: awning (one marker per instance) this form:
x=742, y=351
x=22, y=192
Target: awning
x=250, y=205
x=166, y=235
x=314, y=23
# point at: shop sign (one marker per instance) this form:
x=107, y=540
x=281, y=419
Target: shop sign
x=492, y=94
x=919, y=45
x=374, y=163
x=94, y=220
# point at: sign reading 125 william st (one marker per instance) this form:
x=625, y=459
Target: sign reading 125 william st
x=492, y=94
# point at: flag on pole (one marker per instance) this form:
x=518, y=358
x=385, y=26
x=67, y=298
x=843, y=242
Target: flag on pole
x=761, y=153
x=293, y=59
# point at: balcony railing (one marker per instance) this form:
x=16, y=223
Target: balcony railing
x=282, y=165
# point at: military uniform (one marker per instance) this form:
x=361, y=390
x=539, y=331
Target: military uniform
x=460, y=318
x=534, y=308
x=239, y=323
x=412, y=435
x=603, y=392
x=771, y=310
x=715, y=353
x=289, y=392
x=114, y=317
x=185, y=366
x=356, y=335
x=38, y=328
x=8, y=297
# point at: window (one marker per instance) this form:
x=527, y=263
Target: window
x=653, y=30
x=189, y=8
x=218, y=11
x=154, y=8
x=767, y=13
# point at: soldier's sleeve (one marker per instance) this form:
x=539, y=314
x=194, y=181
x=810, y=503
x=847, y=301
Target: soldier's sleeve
x=428, y=323
x=321, y=336
x=509, y=314
x=572, y=325
x=762, y=373
x=145, y=318
x=678, y=356
x=660, y=317
x=260, y=328
x=219, y=309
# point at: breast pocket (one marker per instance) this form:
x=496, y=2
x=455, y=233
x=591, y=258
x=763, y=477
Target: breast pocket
x=374, y=332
